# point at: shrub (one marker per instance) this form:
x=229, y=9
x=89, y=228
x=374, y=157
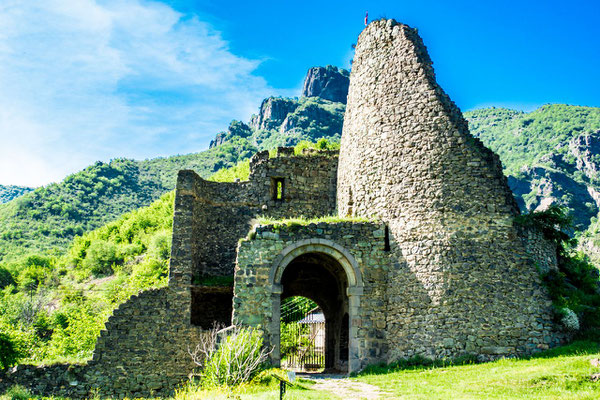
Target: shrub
x=569, y=319
x=150, y=273
x=17, y=393
x=230, y=356
x=100, y=257
x=31, y=277
x=9, y=351
x=160, y=246
x=574, y=288
x=6, y=278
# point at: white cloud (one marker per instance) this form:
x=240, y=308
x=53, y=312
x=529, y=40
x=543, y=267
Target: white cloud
x=92, y=80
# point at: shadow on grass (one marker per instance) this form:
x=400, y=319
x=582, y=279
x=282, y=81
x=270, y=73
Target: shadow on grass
x=579, y=347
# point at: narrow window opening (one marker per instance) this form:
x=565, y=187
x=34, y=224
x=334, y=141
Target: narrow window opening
x=350, y=203
x=278, y=188
x=386, y=239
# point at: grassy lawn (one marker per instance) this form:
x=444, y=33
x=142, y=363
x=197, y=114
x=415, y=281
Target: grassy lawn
x=300, y=391
x=558, y=374
x=562, y=373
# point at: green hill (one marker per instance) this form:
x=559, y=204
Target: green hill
x=550, y=155
x=10, y=192
x=48, y=218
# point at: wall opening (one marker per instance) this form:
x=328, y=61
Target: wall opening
x=278, y=188
x=210, y=306
x=386, y=239
x=320, y=278
x=302, y=335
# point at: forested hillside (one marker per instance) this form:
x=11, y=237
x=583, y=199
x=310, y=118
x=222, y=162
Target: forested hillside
x=551, y=156
x=48, y=218
x=10, y=192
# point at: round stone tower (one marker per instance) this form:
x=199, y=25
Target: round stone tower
x=461, y=279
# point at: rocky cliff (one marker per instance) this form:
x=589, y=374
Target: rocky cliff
x=236, y=129
x=319, y=113
x=329, y=83
x=272, y=113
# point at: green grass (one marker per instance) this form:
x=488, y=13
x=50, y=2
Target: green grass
x=561, y=373
x=300, y=391
x=558, y=374
x=302, y=221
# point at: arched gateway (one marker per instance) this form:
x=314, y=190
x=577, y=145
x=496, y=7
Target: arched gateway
x=285, y=261
x=325, y=272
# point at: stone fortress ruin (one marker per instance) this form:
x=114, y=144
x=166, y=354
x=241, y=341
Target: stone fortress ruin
x=424, y=258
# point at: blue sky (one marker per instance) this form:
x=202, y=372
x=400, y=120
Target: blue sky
x=87, y=80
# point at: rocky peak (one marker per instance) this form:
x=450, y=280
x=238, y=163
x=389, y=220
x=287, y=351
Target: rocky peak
x=329, y=83
x=236, y=128
x=272, y=113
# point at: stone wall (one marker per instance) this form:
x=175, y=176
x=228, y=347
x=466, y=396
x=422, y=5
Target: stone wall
x=461, y=281
x=258, y=291
x=210, y=217
x=543, y=253
x=142, y=352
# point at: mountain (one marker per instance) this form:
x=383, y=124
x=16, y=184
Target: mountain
x=10, y=192
x=550, y=155
x=328, y=83
x=318, y=113
x=48, y=218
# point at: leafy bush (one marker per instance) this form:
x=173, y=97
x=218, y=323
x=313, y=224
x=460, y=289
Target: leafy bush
x=569, y=319
x=6, y=278
x=10, y=352
x=160, y=246
x=231, y=356
x=17, y=393
x=31, y=277
x=100, y=258
x=574, y=288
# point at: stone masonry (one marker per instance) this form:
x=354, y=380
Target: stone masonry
x=423, y=258
x=459, y=269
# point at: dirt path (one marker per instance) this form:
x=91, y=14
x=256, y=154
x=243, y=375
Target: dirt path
x=346, y=389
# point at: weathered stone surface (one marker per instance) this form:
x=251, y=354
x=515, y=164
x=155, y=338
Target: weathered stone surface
x=258, y=304
x=329, y=83
x=272, y=112
x=408, y=158
x=236, y=129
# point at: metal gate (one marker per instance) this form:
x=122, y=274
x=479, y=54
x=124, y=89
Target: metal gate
x=302, y=335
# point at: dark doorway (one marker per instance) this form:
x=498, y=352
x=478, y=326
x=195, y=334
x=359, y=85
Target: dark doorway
x=211, y=306
x=320, y=278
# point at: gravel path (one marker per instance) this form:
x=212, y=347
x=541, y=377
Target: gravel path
x=345, y=388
